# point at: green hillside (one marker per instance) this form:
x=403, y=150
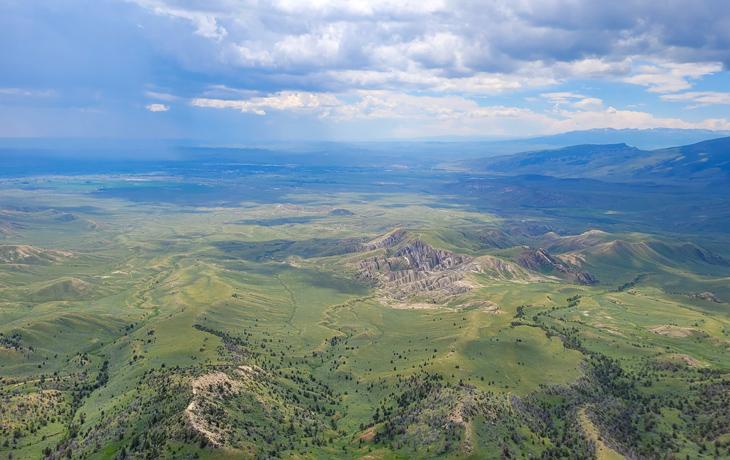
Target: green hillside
x=276, y=325
x=705, y=161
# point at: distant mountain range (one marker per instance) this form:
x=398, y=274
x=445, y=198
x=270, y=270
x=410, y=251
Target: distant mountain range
x=648, y=139
x=606, y=154
x=707, y=161
x=452, y=148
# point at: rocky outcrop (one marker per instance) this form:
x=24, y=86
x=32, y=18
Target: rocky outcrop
x=386, y=241
x=30, y=255
x=210, y=394
x=539, y=260
x=413, y=267
x=707, y=295
x=405, y=267
x=421, y=256
x=207, y=390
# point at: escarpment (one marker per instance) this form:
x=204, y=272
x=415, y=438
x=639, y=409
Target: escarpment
x=30, y=255
x=403, y=266
x=412, y=267
x=388, y=240
x=539, y=260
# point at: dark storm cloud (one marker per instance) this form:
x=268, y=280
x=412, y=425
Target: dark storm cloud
x=284, y=44
x=120, y=57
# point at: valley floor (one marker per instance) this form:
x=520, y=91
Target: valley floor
x=337, y=324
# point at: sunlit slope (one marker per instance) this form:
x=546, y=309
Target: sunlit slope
x=705, y=161
x=398, y=329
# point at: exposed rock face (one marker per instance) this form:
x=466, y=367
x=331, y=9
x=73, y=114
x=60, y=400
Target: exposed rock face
x=388, y=240
x=536, y=259
x=406, y=268
x=420, y=256
x=414, y=268
x=30, y=255
x=209, y=393
x=207, y=389
x=671, y=330
x=585, y=278
x=708, y=296
x=540, y=260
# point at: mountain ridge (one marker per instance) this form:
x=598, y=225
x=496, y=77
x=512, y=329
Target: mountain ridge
x=706, y=161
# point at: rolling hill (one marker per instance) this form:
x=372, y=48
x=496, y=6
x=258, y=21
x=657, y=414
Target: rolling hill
x=707, y=161
x=30, y=255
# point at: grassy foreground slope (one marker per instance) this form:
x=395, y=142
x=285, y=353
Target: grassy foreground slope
x=301, y=328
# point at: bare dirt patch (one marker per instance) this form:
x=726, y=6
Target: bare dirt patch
x=685, y=359
x=674, y=331
x=486, y=306
x=368, y=435
x=214, y=385
x=415, y=306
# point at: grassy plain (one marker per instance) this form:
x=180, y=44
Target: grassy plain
x=102, y=342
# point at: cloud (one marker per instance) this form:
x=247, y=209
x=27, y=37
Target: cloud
x=577, y=101
x=161, y=96
x=588, y=103
x=561, y=97
x=672, y=77
x=283, y=101
x=611, y=117
x=411, y=66
x=430, y=80
x=206, y=24
x=364, y=104
x=440, y=45
x=157, y=107
x=24, y=92
x=700, y=98
x=449, y=115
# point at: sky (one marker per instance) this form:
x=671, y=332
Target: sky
x=254, y=70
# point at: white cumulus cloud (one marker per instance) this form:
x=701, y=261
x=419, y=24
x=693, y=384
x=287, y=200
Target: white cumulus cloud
x=423, y=115
x=700, y=98
x=157, y=107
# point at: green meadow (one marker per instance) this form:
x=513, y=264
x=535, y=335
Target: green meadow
x=145, y=328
